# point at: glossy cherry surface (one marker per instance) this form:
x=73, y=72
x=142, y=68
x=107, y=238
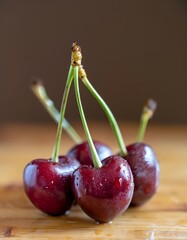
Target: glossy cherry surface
x=48, y=184
x=104, y=193
x=82, y=153
x=145, y=169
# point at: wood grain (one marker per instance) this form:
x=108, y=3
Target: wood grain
x=163, y=217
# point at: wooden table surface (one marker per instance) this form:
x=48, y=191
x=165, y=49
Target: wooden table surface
x=163, y=217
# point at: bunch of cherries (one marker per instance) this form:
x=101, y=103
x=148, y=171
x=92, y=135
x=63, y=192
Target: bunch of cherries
x=102, y=184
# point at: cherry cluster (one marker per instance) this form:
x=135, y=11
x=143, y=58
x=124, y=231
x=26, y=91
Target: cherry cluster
x=103, y=184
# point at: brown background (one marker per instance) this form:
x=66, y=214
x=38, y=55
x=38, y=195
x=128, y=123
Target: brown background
x=132, y=50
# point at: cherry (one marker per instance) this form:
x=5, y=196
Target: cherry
x=106, y=192
x=143, y=161
x=145, y=169
x=48, y=184
x=82, y=153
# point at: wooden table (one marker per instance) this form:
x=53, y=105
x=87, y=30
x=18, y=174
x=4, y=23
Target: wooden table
x=163, y=217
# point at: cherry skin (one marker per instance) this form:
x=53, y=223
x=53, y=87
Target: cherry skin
x=48, y=184
x=104, y=193
x=145, y=169
x=82, y=153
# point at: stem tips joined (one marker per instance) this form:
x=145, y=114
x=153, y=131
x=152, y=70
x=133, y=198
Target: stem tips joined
x=76, y=56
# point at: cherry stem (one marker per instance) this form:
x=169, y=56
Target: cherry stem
x=109, y=114
x=39, y=90
x=96, y=161
x=147, y=113
x=62, y=113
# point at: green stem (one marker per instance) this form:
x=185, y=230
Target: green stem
x=110, y=116
x=40, y=92
x=142, y=128
x=96, y=161
x=62, y=113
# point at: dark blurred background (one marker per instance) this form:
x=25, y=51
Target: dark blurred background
x=132, y=50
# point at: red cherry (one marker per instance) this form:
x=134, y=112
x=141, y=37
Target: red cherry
x=48, y=184
x=145, y=169
x=104, y=193
x=82, y=153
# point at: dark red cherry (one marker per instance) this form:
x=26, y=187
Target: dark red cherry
x=145, y=169
x=48, y=184
x=82, y=153
x=104, y=193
